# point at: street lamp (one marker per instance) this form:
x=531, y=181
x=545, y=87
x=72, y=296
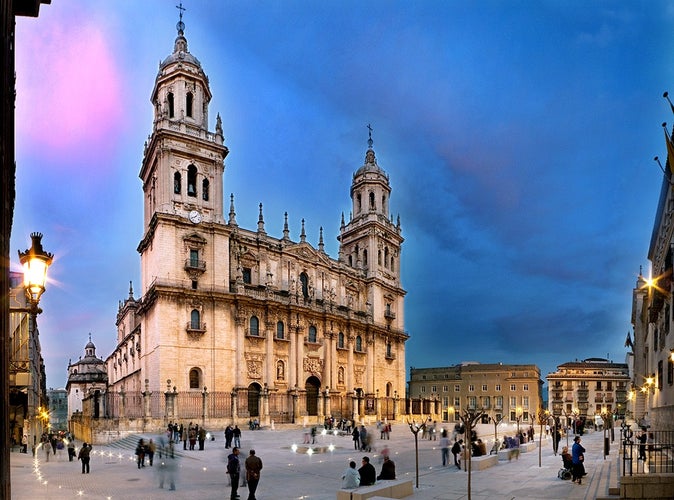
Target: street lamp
x=35, y=262
x=518, y=417
x=414, y=428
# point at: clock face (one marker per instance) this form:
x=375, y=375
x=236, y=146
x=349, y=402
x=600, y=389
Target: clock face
x=195, y=217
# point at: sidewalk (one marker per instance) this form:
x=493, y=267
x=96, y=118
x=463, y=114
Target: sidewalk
x=289, y=475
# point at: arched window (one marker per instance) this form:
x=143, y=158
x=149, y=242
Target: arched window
x=171, y=105
x=373, y=205
x=340, y=340
x=312, y=334
x=340, y=375
x=188, y=104
x=304, y=280
x=359, y=344
x=195, y=320
x=386, y=257
x=350, y=261
x=254, y=326
x=195, y=378
x=393, y=266
x=379, y=257
x=383, y=203
x=204, y=189
x=191, y=180
x=365, y=257
x=388, y=349
x=280, y=330
x=358, y=203
x=177, y=180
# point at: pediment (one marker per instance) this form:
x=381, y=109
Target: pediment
x=307, y=252
x=195, y=239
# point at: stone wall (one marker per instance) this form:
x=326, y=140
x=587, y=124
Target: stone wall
x=647, y=486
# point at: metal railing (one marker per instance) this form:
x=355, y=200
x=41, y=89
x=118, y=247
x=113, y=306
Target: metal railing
x=646, y=451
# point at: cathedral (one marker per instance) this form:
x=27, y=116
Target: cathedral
x=233, y=323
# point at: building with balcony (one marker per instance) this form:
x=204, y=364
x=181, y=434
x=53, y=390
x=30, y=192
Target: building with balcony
x=587, y=388
x=508, y=392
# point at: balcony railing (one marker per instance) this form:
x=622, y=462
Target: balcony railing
x=195, y=265
x=195, y=328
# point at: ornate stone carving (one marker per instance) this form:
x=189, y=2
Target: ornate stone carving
x=313, y=366
x=254, y=366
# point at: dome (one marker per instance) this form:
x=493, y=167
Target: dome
x=180, y=53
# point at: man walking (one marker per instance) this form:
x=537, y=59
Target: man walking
x=253, y=468
x=84, y=456
x=234, y=471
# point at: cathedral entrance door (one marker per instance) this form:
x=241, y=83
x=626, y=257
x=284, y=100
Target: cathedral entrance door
x=254, y=400
x=312, y=388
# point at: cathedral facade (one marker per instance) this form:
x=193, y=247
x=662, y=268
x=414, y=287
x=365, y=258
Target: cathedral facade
x=233, y=323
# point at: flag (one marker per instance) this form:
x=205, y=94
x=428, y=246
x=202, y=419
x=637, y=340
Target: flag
x=628, y=341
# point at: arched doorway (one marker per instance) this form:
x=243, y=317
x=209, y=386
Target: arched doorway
x=312, y=387
x=254, y=400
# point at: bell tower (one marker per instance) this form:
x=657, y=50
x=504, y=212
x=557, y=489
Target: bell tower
x=371, y=241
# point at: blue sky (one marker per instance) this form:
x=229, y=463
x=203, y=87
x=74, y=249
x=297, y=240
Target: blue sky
x=519, y=138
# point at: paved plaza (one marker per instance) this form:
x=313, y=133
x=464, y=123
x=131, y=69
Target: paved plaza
x=298, y=475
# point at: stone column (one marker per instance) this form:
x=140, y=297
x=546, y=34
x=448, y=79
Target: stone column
x=122, y=403
x=235, y=405
x=204, y=406
x=328, y=410
x=146, y=399
x=265, y=406
x=296, y=406
x=170, y=401
x=354, y=408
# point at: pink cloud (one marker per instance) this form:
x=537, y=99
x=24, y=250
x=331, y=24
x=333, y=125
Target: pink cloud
x=68, y=89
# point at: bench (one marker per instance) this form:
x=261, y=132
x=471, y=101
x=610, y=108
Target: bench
x=387, y=488
x=509, y=454
x=530, y=446
x=483, y=462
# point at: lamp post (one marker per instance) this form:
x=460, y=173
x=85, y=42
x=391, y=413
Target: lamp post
x=35, y=262
x=469, y=417
x=518, y=417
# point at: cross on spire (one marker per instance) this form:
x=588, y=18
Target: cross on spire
x=369, y=140
x=180, y=26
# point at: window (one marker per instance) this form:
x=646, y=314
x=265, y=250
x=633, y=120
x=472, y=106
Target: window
x=457, y=388
x=312, y=334
x=188, y=104
x=365, y=257
x=609, y=385
x=340, y=340
x=445, y=388
x=498, y=401
x=280, y=330
x=457, y=402
x=191, y=180
x=171, y=105
x=497, y=388
x=195, y=320
x=195, y=378
x=423, y=389
x=358, y=203
x=304, y=280
x=204, y=189
x=670, y=371
x=513, y=401
x=434, y=388
x=472, y=402
x=525, y=387
x=254, y=326
x=373, y=205
x=599, y=385
x=525, y=402
x=445, y=402
x=359, y=344
x=388, y=350
x=194, y=258
x=247, y=275
x=484, y=387
x=471, y=388
x=513, y=387
x=176, y=182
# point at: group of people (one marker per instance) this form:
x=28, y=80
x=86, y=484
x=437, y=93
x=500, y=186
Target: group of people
x=252, y=465
x=190, y=435
x=232, y=434
x=367, y=475
x=361, y=439
x=144, y=450
x=574, y=461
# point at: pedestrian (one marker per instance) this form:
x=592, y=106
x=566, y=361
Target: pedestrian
x=388, y=470
x=140, y=453
x=24, y=444
x=350, y=478
x=234, y=471
x=253, y=468
x=444, y=448
x=229, y=433
x=367, y=473
x=201, y=437
x=71, y=450
x=643, y=437
x=578, y=457
x=456, y=451
x=84, y=456
x=236, y=434
x=356, y=438
x=151, y=448
x=363, y=438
